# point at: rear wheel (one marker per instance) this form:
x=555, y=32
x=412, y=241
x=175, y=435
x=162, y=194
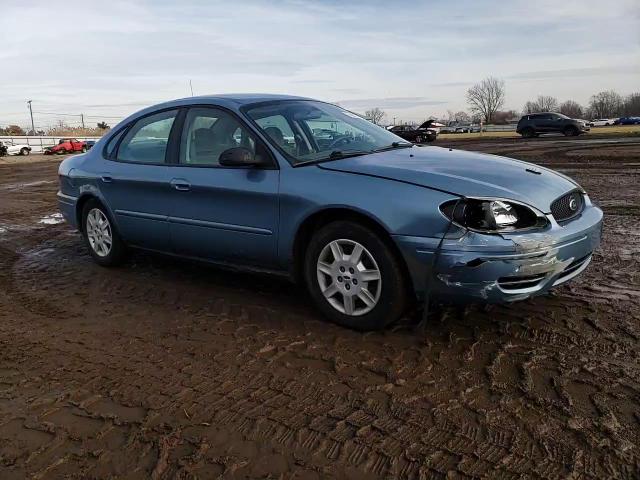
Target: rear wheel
x=528, y=132
x=84, y=149
x=354, y=277
x=101, y=237
x=24, y=151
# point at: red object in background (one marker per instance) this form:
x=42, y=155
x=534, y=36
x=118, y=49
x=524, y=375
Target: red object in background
x=68, y=145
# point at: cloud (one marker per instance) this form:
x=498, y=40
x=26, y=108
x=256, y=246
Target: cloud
x=372, y=51
x=577, y=72
x=390, y=103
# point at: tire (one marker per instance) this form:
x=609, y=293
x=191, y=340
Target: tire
x=108, y=256
x=571, y=132
x=528, y=132
x=386, y=296
x=24, y=151
x=84, y=149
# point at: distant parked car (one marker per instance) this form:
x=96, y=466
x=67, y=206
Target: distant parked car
x=424, y=133
x=602, y=122
x=629, y=121
x=14, y=148
x=467, y=128
x=323, y=137
x=90, y=144
x=534, y=124
x=67, y=145
x=457, y=127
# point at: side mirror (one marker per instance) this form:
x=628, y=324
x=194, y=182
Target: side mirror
x=239, y=157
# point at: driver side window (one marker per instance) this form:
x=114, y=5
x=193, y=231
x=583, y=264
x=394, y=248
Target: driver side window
x=278, y=129
x=208, y=132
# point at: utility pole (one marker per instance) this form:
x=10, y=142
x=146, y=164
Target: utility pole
x=191, y=87
x=33, y=127
x=82, y=119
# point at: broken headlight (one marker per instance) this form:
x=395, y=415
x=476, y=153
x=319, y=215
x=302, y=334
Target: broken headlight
x=492, y=215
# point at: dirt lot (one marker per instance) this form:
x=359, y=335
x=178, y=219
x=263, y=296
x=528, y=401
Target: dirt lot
x=166, y=369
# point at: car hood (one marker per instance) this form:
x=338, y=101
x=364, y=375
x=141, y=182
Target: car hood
x=463, y=173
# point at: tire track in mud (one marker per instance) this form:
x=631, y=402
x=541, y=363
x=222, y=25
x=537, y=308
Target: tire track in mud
x=349, y=430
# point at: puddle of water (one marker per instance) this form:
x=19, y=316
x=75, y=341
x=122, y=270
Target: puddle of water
x=52, y=219
x=18, y=186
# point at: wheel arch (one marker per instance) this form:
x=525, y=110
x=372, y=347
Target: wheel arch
x=82, y=201
x=320, y=218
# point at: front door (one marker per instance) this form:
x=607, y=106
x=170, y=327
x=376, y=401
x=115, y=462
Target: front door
x=220, y=213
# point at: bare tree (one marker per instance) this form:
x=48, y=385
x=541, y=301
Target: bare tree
x=375, y=115
x=14, y=130
x=606, y=104
x=547, y=103
x=530, y=107
x=571, y=109
x=458, y=116
x=632, y=105
x=503, y=118
x=461, y=117
x=486, y=97
x=543, y=103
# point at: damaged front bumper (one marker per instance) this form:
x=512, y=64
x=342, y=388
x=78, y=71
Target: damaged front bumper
x=496, y=268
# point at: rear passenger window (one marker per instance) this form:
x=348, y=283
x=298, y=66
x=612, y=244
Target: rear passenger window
x=146, y=141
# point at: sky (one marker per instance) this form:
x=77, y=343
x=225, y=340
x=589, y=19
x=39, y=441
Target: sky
x=107, y=59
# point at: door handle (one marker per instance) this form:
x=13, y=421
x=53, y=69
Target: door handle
x=180, y=185
x=106, y=178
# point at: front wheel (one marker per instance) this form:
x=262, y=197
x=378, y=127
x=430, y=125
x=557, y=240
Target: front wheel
x=100, y=235
x=571, y=132
x=354, y=277
x=24, y=151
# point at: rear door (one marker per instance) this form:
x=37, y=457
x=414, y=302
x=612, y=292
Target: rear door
x=136, y=180
x=220, y=213
x=544, y=123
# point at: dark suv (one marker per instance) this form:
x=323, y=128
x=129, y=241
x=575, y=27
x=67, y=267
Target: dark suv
x=534, y=124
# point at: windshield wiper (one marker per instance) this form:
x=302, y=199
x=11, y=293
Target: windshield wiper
x=394, y=145
x=336, y=154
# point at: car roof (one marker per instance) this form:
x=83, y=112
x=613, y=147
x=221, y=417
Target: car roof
x=236, y=98
x=229, y=100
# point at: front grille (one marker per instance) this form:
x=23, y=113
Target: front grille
x=568, y=206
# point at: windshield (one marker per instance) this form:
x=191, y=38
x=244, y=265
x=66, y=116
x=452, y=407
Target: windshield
x=310, y=131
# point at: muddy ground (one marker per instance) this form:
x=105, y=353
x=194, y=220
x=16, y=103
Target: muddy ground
x=166, y=369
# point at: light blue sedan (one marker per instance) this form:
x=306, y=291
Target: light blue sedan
x=367, y=221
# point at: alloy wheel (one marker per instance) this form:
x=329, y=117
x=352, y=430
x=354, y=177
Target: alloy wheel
x=99, y=232
x=349, y=277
